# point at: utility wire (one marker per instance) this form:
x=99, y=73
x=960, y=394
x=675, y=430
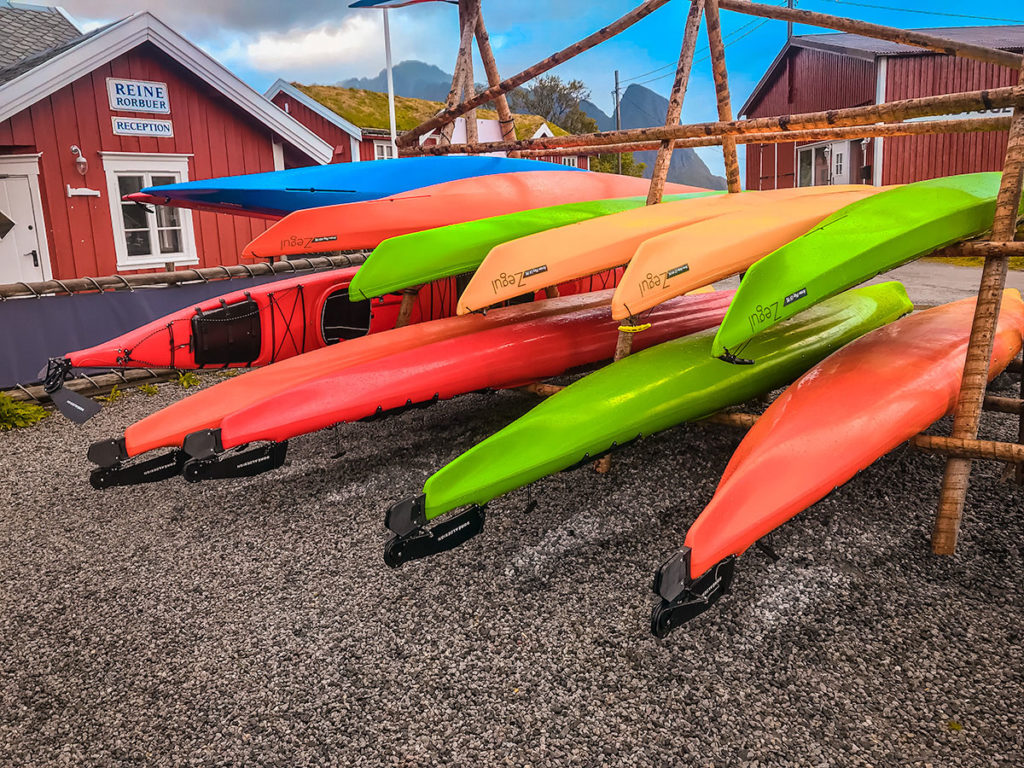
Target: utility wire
x=926, y=13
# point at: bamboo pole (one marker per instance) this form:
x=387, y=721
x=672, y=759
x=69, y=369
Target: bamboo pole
x=675, y=102
x=877, y=31
x=888, y=112
x=721, y=76
x=208, y=274
x=925, y=127
x=505, y=119
x=979, y=350
x=643, y=10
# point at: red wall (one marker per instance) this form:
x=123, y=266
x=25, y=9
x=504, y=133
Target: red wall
x=322, y=127
x=913, y=158
x=223, y=140
x=807, y=81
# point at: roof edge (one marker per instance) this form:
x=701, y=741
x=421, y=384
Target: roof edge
x=283, y=86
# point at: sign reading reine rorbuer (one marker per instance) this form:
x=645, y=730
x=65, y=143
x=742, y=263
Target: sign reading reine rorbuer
x=140, y=126
x=138, y=96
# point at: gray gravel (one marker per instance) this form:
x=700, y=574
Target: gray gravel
x=252, y=622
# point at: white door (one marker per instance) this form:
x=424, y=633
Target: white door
x=21, y=258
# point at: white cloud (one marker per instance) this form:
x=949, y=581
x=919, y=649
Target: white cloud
x=355, y=39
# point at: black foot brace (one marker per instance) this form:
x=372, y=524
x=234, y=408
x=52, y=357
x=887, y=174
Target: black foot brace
x=250, y=463
x=683, y=598
x=413, y=541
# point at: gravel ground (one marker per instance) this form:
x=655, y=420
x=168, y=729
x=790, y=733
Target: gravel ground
x=252, y=622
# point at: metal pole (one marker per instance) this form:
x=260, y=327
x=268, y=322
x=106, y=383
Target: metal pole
x=618, y=118
x=391, y=84
x=789, y=23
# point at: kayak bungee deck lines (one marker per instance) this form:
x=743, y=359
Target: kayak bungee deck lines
x=278, y=193
x=534, y=262
x=700, y=254
x=408, y=260
x=366, y=224
x=644, y=393
x=205, y=409
x=837, y=419
x=855, y=244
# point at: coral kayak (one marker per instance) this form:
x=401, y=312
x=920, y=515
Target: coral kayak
x=278, y=193
x=639, y=395
x=205, y=409
x=508, y=356
x=684, y=259
x=855, y=244
x=534, y=262
x=367, y=224
x=419, y=257
x=852, y=408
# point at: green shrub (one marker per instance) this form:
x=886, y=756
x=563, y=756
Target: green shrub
x=113, y=396
x=148, y=389
x=188, y=379
x=15, y=413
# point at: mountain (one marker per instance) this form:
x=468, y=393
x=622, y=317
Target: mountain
x=643, y=108
x=415, y=79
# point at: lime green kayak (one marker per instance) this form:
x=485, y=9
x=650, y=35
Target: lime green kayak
x=417, y=258
x=642, y=394
x=854, y=244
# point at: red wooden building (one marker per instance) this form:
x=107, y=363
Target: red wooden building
x=87, y=117
x=833, y=71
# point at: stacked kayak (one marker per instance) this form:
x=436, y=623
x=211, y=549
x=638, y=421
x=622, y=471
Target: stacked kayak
x=855, y=406
x=205, y=409
x=639, y=395
x=543, y=259
x=855, y=244
x=407, y=260
x=366, y=224
x=278, y=193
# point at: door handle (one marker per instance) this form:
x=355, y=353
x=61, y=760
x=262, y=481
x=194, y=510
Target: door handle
x=35, y=257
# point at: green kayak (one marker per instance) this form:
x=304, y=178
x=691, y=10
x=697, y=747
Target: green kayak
x=854, y=244
x=417, y=258
x=642, y=394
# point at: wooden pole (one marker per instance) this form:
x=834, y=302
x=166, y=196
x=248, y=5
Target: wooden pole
x=99, y=384
x=410, y=138
x=505, y=118
x=982, y=339
x=888, y=112
x=467, y=25
x=924, y=127
x=405, y=308
x=675, y=102
x=469, y=89
x=718, y=70
x=877, y=31
x=962, y=449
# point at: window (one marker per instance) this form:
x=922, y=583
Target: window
x=146, y=237
x=813, y=166
x=383, y=150
x=571, y=160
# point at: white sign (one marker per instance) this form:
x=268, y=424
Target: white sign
x=140, y=126
x=138, y=96
x=979, y=114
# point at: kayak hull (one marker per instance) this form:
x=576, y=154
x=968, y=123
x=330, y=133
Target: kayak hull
x=366, y=224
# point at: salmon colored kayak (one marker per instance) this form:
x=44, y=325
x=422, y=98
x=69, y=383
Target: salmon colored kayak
x=366, y=224
x=679, y=261
x=208, y=407
x=547, y=258
x=855, y=406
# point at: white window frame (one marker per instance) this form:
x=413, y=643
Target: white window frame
x=811, y=147
x=570, y=160
x=383, y=150
x=141, y=163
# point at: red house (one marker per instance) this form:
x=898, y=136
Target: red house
x=88, y=117
x=833, y=71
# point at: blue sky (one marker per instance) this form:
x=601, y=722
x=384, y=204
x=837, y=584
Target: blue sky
x=323, y=41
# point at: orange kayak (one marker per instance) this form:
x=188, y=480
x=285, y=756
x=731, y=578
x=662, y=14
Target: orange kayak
x=679, y=261
x=547, y=258
x=368, y=223
x=853, y=407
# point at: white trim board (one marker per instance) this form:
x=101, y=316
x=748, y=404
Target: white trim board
x=283, y=86
x=121, y=37
x=881, y=76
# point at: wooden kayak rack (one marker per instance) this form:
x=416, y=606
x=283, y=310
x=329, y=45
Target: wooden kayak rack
x=887, y=119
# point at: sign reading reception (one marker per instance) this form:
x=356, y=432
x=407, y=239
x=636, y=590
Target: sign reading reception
x=138, y=126
x=138, y=96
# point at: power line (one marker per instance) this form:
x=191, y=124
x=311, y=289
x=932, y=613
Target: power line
x=926, y=13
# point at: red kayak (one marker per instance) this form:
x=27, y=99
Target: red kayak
x=855, y=406
x=205, y=409
x=503, y=357
x=367, y=224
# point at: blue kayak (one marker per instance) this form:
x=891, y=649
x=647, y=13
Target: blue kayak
x=278, y=193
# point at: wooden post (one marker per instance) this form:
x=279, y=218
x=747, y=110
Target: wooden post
x=468, y=89
x=675, y=102
x=505, y=119
x=732, y=163
x=982, y=339
x=467, y=25
x=405, y=308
